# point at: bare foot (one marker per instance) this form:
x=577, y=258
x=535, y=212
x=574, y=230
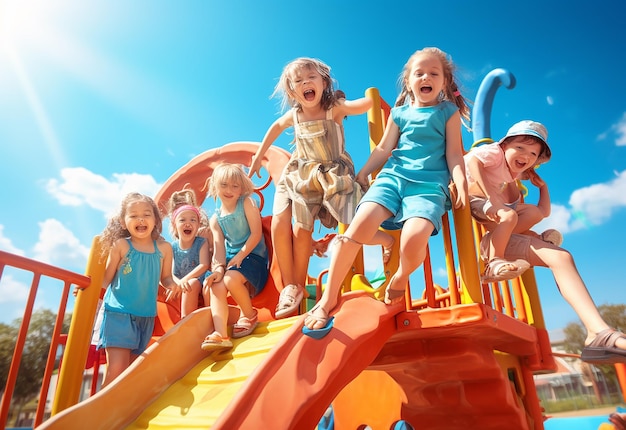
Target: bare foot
x=393, y=295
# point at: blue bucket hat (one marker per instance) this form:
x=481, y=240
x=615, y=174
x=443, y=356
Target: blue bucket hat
x=535, y=129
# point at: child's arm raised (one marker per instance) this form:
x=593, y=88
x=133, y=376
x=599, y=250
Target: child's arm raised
x=544, y=205
x=345, y=108
x=277, y=127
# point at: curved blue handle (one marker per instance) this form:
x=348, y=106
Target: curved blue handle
x=481, y=112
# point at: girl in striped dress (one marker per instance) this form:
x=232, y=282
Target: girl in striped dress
x=319, y=180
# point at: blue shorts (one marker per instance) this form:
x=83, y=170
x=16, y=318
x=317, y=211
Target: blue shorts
x=120, y=330
x=255, y=269
x=406, y=199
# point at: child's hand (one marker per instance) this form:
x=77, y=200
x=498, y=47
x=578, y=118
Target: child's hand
x=184, y=285
x=208, y=283
x=491, y=212
x=215, y=276
x=363, y=182
x=319, y=247
x=255, y=166
x=236, y=260
x=457, y=195
x=173, y=292
x=534, y=178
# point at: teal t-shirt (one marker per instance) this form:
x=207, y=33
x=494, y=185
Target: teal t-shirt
x=420, y=155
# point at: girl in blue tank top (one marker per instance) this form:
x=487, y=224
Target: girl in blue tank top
x=240, y=259
x=138, y=258
x=420, y=151
x=193, y=249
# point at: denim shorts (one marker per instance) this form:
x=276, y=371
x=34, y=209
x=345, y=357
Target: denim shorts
x=120, y=330
x=406, y=199
x=255, y=269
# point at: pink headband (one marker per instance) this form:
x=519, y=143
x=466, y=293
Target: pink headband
x=183, y=208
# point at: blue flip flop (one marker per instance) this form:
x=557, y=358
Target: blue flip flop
x=319, y=333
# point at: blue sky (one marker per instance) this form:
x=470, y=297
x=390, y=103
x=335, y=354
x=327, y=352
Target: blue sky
x=98, y=98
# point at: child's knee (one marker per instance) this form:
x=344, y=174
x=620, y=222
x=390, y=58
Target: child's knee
x=508, y=216
x=195, y=286
x=531, y=214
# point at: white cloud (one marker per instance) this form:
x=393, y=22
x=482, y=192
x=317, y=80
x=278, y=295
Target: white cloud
x=596, y=203
x=12, y=291
x=7, y=245
x=59, y=247
x=618, y=129
x=79, y=186
x=588, y=206
x=440, y=273
x=559, y=219
x=550, y=100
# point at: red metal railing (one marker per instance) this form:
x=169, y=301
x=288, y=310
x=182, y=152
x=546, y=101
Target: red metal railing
x=38, y=271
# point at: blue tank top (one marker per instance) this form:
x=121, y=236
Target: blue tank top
x=185, y=260
x=420, y=155
x=135, y=286
x=237, y=231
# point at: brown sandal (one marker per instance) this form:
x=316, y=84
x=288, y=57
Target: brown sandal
x=215, y=341
x=603, y=349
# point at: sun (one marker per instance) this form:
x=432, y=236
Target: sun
x=25, y=28
x=25, y=21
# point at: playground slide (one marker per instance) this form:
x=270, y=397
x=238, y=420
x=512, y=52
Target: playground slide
x=276, y=378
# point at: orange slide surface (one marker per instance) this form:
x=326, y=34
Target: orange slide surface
x=276, y=378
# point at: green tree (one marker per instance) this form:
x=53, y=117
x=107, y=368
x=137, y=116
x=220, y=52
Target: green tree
x=575, y=333
x=34, y=355
x=7, y=344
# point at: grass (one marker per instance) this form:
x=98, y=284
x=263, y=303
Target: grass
x=579, y=403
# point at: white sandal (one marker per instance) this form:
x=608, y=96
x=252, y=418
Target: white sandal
x=289, y=300
x=499, y=269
